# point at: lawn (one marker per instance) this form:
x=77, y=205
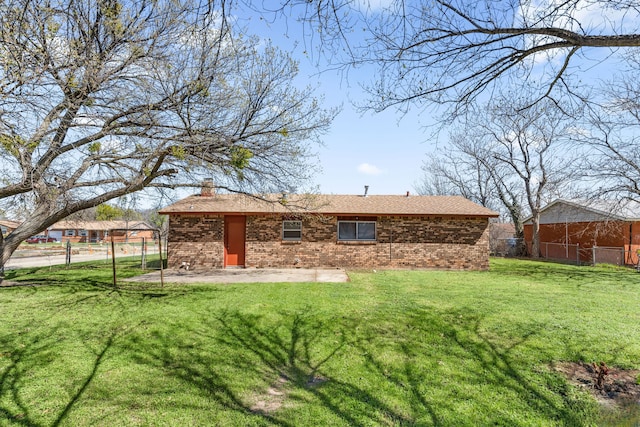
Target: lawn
x=388, y=348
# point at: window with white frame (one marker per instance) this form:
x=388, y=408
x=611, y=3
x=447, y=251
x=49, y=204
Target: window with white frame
x=357, y=230
x=69, y=233
x=291, y=230
x=83, y=233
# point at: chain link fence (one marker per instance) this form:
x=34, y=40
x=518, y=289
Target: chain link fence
x=144, y=250
x=576, y=254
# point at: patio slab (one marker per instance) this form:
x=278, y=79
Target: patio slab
x=246, y=275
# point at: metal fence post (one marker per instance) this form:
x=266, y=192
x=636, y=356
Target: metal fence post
x=143, y=260
x=68, y=254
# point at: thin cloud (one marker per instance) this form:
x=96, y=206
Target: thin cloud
x=367, y=169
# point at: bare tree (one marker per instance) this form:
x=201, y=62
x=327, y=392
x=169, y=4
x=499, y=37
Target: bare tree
x=451, y=172
x=466, y=167
x=454, y=51
x=522, y=151
x=612, y=134
x=102, y=99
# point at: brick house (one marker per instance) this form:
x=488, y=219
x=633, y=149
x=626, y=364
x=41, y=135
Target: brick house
x=98, y=231
x=229, y=230
x=571, y=229
x=7, y=226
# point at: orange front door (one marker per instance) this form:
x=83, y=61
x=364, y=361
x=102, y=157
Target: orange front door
x=234, y=232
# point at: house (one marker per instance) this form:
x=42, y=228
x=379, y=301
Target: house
x=7, y=226
x=98, y=231
x=233, y=230
x=588, y=231
x=502, y=238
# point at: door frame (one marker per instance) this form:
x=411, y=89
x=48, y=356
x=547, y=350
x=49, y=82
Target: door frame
x=228, y=219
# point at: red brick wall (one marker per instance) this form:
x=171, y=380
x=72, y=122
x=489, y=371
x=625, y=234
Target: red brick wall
x=402, y=242
x=614, y=234
x=197, y=240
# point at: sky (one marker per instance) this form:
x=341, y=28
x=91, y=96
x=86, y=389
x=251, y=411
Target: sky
x=382, y=150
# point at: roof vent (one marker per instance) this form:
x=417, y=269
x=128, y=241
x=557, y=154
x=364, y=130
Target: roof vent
x=408, y=194
x=366, y=190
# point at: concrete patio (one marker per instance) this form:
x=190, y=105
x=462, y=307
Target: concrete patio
x=246, y=275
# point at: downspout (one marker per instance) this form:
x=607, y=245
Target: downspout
x=566, y=238
x=390, y=239
x=630, y=261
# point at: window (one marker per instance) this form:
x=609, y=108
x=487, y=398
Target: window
x=83, y=233
x=69, y=233
x=357, y=230
x=291, y=230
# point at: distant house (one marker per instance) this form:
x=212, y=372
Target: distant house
x=98, y=231
x=7, y=226
x=502, y=238
x=588, y=231
x=231, y=230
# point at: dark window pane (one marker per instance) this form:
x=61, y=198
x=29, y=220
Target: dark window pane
x=346, y=231
x=366, y=231
x=291, y=234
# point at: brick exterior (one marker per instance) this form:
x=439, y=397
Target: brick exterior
x=197, y=240
x=402, y=242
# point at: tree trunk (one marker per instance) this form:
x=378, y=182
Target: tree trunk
x=7, y=248
x=535, y=238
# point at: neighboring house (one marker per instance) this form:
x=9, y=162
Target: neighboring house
x=229, y=230
x=98, y=231
x=502, y=238
x=7, y=226
x=572, y=229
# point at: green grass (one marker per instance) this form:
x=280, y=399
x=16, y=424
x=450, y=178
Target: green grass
x=388, y=348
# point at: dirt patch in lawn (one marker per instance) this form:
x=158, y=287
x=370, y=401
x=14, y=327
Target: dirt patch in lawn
x=274, y=398
x=610, y=386
x=616, y=390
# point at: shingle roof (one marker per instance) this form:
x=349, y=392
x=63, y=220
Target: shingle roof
x=623, y=210
x=329, y=204
x=100, y=225
x=9, y=223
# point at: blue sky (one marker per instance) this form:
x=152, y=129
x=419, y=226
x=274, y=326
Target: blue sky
x=382, y=150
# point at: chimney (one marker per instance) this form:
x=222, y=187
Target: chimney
x=366, y=190
x=208, y=189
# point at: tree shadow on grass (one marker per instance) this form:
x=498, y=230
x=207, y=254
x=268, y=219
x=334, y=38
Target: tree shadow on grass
x=390, y=379
x=497, y=365
x=299, y=356
x=295, y=355
x=549, y=271
x=293, y=350
x=16, y=374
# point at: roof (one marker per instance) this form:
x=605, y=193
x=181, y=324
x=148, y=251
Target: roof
x=502, y=230
x=592, y=210
x=329, y=204
x=101, y=225
x=9, y=223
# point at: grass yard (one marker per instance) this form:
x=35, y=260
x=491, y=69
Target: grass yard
x=388, y=348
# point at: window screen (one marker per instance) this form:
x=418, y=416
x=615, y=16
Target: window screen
x=291, y=230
